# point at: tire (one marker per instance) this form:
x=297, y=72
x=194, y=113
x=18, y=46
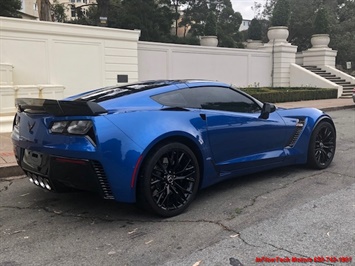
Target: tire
x=322, y=145
x=169, y=180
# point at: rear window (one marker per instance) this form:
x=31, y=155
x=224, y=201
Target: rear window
x=109, y=93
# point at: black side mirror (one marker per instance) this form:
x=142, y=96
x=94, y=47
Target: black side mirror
x=266, y=110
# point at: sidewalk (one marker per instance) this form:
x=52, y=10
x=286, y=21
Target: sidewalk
x=8, y=165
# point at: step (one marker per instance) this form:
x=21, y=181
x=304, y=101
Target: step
x=320, y=71
x=350, y=86
x=329, y=75
x=347, y=92
x=337, y=78
x=347, y=86
x=341, y=83
x=309, y=67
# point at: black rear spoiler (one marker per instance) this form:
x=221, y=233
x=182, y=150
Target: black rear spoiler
x=59, y=108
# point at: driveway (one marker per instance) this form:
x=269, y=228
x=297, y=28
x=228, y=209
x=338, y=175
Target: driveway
x=291, y=213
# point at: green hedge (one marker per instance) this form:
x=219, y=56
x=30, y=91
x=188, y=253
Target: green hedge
x=281, y=94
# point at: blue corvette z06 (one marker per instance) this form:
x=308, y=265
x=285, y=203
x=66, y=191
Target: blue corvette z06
x=158, y=142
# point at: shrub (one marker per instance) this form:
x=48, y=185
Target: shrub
x=211, y=25
x=321, y=22
x=281, y=13
x=280, y=94
x=254, y=30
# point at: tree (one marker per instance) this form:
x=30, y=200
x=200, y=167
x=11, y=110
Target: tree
x=301, y=23
x=194, y=16
x=176, y=5
x=153, y=18
x=228, y=21
x=102, y=9
x=343, y=33
x=44, y=10
x=10, y=8
x=340, y=15
x=58, y=11
x=228, y=26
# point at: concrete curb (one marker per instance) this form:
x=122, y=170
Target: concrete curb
x=335, y=108
x=10, y=170
x=14, y=170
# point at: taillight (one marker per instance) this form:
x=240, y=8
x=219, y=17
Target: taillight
x=16, y=122
x=77, y=127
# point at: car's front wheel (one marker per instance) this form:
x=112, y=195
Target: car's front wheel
x=169, y=179
x=322, y=146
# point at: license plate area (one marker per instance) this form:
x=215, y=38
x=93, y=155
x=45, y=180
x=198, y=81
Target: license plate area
x=35, y=162
x=32, y=158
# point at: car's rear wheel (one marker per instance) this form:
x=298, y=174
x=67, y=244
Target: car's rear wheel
x=322, y=146
x=169, y=179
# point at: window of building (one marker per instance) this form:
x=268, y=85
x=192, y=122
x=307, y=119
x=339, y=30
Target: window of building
x=73, y=11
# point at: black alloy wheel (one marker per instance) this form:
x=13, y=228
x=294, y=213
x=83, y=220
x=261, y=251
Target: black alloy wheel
x=322, y=146
x=169, y=180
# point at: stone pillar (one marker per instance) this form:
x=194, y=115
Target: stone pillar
x=320, y=54
x=283, y=55
x=319, y=57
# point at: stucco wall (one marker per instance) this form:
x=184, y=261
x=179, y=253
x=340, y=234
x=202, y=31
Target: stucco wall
x=170, y=61
x=77, y=57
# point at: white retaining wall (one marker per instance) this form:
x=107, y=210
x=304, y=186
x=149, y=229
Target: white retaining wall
x=75, y=56
x=171, y=61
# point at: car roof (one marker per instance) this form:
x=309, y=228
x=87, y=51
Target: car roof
x=150, y=87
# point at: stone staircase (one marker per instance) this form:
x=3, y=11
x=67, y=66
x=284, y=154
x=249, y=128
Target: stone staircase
x=347, y=86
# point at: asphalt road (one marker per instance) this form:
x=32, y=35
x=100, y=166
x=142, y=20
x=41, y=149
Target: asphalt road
x=292, y=213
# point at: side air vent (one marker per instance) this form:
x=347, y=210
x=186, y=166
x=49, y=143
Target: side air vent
x=101, y=177
x=299, y=127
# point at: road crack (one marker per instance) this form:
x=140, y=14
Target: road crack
x=6, y=187
x=255, y=198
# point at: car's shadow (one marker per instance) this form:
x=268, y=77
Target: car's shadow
x=90, y=206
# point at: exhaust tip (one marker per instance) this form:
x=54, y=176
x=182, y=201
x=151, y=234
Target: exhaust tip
x=39, y=181
x=46, y=184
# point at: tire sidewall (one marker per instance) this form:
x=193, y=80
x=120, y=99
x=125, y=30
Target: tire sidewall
x=312, y=162
x=145, y=187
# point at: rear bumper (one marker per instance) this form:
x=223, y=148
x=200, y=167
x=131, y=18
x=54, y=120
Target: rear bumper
x=60, y=173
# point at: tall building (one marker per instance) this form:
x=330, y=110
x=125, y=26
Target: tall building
x=74, y=6
x=245, y=24
x=30, y=8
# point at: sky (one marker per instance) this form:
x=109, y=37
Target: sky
x=244, y=7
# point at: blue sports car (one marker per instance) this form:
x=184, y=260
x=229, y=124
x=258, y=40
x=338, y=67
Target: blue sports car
x=158, y=142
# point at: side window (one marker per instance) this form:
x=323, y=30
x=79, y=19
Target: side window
x=173, y=99
x=220, y=98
